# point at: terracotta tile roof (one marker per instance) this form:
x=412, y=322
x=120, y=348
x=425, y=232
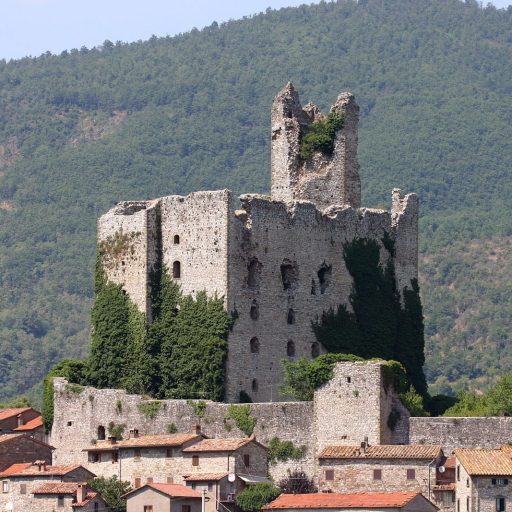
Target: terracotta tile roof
x=31, y=470
x=158, y=440
x=205, y=477
x=172, y=490
x=482, y=462
x=9, y=413
x=11, y=437
x=57, y=488
x=444, y=487
x=385, y=451
x=15, y=468
x=90, y=496
x=31, y=425
x=218, y=445
x=336, y=500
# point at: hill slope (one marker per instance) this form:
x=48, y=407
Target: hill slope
x=84, y=129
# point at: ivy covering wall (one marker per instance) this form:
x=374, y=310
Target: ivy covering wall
x=378, y=325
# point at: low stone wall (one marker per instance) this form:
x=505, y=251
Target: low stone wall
x=454, y=433
x=79, y=414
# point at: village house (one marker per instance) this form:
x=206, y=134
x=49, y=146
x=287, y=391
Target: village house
x=157, y=497
x=13, y=418
x=17, y=448
x=482, y=480
x=371, y=502
x=379, y=468
x=142, y=458
x=34, y=428
x=443, y=492
x=66, y=497
x=21, y=481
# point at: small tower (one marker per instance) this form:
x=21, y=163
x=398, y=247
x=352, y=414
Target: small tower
x=323, y=179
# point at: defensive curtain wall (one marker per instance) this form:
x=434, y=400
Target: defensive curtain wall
x=277, y=260
x=355, y=404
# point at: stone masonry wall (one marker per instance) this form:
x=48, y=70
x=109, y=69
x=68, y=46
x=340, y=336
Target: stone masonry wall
x=454, y=433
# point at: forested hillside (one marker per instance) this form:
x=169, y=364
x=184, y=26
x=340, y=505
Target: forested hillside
x=87, y=128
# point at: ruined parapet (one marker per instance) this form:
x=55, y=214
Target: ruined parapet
x=324, y=179
x=404, y=220
x=127, y=243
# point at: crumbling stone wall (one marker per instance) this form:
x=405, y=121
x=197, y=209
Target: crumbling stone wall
x=277, y=261
x=454, y=433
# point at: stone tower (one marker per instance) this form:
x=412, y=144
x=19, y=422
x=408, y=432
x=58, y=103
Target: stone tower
x=322, y=179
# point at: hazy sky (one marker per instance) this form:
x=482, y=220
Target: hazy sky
x=31, y=27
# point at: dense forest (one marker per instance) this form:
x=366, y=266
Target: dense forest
x=84, y=129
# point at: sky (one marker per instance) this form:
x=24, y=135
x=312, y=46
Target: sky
x=32, y=27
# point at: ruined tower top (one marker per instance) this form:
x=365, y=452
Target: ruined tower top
x=325, y=178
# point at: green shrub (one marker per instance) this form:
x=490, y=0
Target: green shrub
x=320, y=135
x=413, y=402
x=172, y=428
x=150, y=408
x=254, y=497
x=116, y=431
x=199, y=407
x=283, y=451
x=242, y=416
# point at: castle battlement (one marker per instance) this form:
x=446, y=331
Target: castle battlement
x=277, y=260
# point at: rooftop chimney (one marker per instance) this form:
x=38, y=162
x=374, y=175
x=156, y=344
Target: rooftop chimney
x=41, y=465
x=134, y=433
x=81, y=493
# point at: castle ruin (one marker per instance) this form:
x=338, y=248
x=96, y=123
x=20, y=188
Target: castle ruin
x=278, y=259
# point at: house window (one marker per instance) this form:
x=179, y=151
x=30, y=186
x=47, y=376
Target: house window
x=60, y=501
x=115, y=457
x=499, y=481
x=148, y=508
x=329, y=474
x=185, y=508
x=23, y=488
x=411, y=474
x=136, y=454
x=176, y=239
x=168, y=453
x=137, y=483
x=458, y=472
x=101, y=433
x=255, y=345
x=467, y=503
x=377, y=474
x=467, y=482
x=193, y=485
x=195, y=460
x=69, y=423
x=5, y=486
x=149, y=480
x=458, y=505
x=500, y=504
x=96, y=506
x=290, y=349
x=247, y=460
x=349, y=380
x=176, y=270
x=95, y=457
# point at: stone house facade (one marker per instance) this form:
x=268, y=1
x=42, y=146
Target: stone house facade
x=277, y=260
x=13, y=418
x=157, y=497
x=20, y=481
x=17, y=448
x=483, y=480
x=65, y=497
x=379, y=468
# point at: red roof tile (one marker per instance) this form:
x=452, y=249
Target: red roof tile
x=205, y=477
x=390, y=451
x=31, y=425
x=218, y=445
x=90, y=496
x=57, y=488
x=156, y=440
x=444, y=487
x=15, y=468
x=31, y=470
x=9, y=413
x=485, y=462
x=336, y=500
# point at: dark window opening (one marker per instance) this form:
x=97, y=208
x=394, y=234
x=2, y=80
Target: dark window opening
x=60, y=501
x=136, y=453
x=115, y=457
x=290, y=319
x=255, y=310
x=254, y=385
x=176, y=270
x=101, y=433
x=329, y=474
x=500, y=504
x=254, y=273
x=411, y=474
x=290, y=349
x=349, y=380
x=255, y=345
x=195, y=460
x=289, y=275
x=324, y=277
x=247, y=460
x=377, y=474
x=315, y=349
x=176, y=239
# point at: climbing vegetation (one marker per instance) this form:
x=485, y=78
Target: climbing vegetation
x=242, y=417
x=319, y=136
x=283, y=451
x=254, y=497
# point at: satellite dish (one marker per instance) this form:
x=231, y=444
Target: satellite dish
x=441, y=469
x=231, y=477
